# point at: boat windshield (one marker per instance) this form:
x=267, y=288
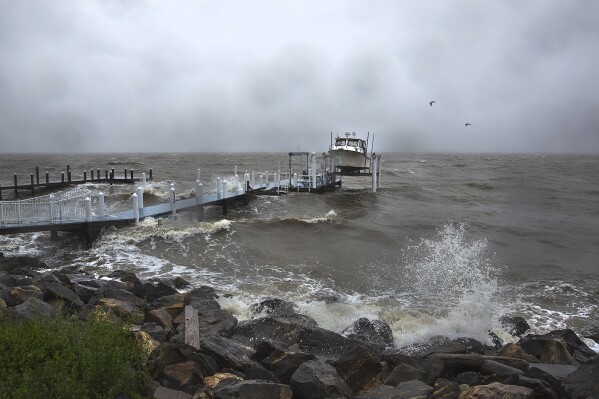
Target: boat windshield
x=340, y=142
x=353, y=142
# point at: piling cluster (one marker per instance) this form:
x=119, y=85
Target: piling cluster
x=199, y=350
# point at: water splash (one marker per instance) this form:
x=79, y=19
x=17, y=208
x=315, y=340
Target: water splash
x=455, y=287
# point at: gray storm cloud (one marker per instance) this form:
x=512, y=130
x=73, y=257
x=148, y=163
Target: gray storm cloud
x=108, y=76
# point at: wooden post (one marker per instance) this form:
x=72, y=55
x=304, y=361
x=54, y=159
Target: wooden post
x=37, y=175
x=0, y=192
x=192, y=327
x=85, y=176
x=47, y=178
x=131, y=174
x=106, y=175
x=98, y=173
x=150, y=173
x=69, y=172
x=32, y=184
x=62, y=177
x=92, y=170
x=125, y=173
x=16, y=189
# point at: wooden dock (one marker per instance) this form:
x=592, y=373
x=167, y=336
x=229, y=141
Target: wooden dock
x=35, y=185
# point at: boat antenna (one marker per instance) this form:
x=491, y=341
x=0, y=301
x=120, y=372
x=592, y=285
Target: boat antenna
x=331, y=146
x=367, y=137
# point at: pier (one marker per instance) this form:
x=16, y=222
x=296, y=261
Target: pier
x=71, y=210
x=66, y=179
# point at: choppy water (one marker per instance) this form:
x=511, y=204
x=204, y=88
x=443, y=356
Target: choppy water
x=447, y=245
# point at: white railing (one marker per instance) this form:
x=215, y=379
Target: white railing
x=64, y=206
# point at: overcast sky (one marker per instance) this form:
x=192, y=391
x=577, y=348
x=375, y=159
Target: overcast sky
x=219, y=75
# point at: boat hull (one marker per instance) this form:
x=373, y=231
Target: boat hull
x=348, y=161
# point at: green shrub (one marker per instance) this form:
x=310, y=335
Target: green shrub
x=68, y=358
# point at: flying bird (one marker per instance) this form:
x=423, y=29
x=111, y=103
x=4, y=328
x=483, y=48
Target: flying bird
x=432, y=102
x=468, y=124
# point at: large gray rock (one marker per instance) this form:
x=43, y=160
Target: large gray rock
x=441, y=344
x=414, y=389
x=497, y=390
x=173, y=353
x=283, y=364
x=227, y=353
x=405, y=372
x=515, y=325
x=584, y=382
x=445, y=389
x=359, y=367
x=152, y=290
x=375, y=331
x=32, y=308
x=186, y=376
x=548, y=346
x=251, y=389
x=316, y=379
x=125, y=310
x=123, y=295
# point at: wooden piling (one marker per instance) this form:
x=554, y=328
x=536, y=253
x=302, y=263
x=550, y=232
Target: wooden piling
x=85, y=176
x=69, y=173
x=47, y=178
x=192, y=327
x=92, y=170
x=131, y=174
x=62, y=177
x=16, y=189
x=150, y=173
x=32, y=184
x=125, y=173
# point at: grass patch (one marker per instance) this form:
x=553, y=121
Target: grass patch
x=69, y=358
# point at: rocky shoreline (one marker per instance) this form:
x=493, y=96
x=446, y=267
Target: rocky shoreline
x=283, y=354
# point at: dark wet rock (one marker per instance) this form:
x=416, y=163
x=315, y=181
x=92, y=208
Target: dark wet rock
x=18, y=280
x=445, y=389
x=279, y=333
x=359, y=367
x=21, y=294
x=558, y=371
x=454, y=364
x=215, y=322
x=161, y=317
x=251, y=389
x=167, y=393
x=381, y=392
x=202, y=293
x=591, y=332
x=150, y=291
x=497, y=390
x=172, y=353
x=556, y=384
x=546, y=347
x=17, y=264
x=516, y=352
x=174, y=301
x=180, y=282
x=316, y=379
x=405, y=372
x=227, y=353
x=430, y=366
x=58, y=291
x=584, y=382
x=186, y=376
x=414, y=389
x=125, y=310
x=125, y=277
x=468, y=378
x=328, y=344
x=123, y=295
x=445, y=345
x=282, y=310
x=85, y=292
x=258, y=372
x=156, y=331
x=492, y=367
x=283, y=364
x=375, y=331
x=541, y=389
x=30, y=309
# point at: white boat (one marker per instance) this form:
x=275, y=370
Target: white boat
x=350, y=153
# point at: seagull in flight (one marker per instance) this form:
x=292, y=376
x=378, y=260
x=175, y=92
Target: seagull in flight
x=468, y=124
x=432, y=102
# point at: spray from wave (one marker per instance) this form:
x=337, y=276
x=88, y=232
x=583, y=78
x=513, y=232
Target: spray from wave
x=454, y=285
